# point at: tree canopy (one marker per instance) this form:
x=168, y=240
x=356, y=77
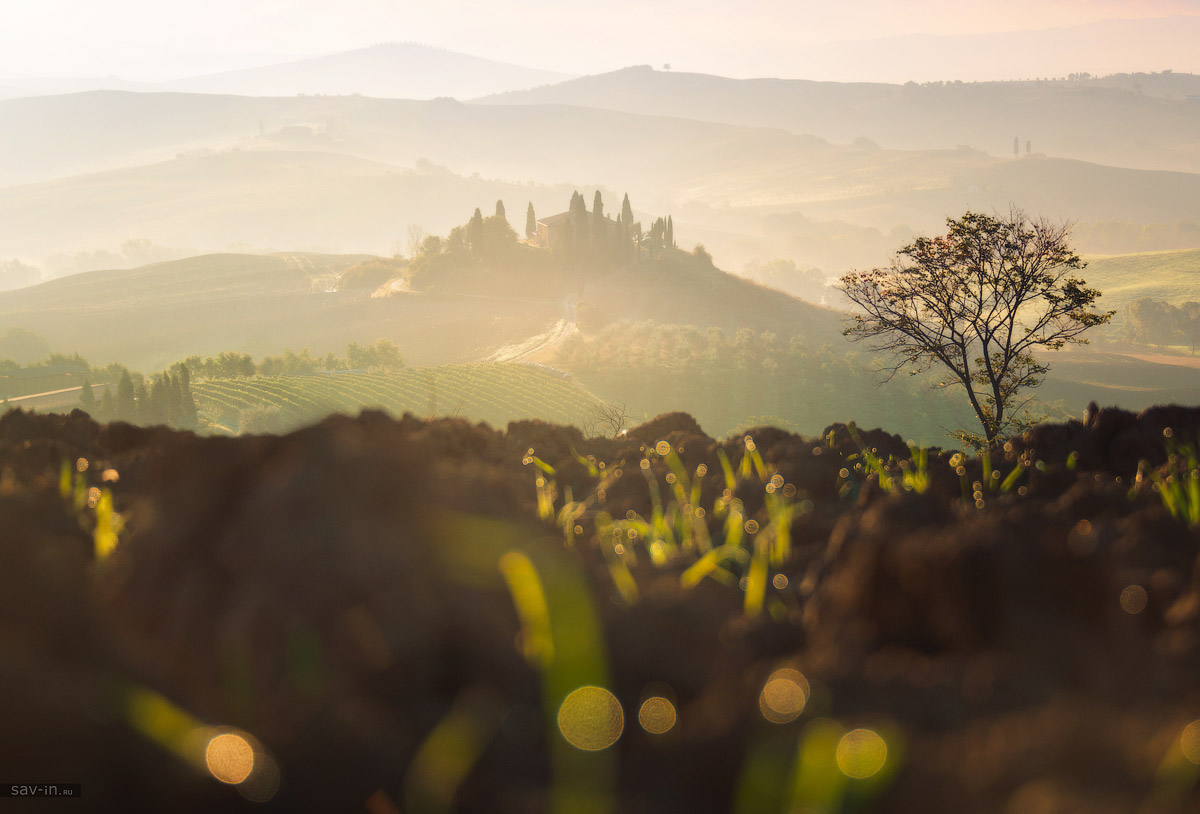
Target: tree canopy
x=978, y=301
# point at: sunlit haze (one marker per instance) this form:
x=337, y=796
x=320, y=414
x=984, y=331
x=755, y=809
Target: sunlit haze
x=147, y=40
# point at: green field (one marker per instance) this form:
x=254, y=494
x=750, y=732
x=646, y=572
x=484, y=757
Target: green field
x=1173, y=277
x=494, y=393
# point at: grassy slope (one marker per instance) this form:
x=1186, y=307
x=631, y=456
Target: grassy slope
x=149, y=317
x=1170, y=276
x=261, y=304
x=684, y=291
x=1110, y=379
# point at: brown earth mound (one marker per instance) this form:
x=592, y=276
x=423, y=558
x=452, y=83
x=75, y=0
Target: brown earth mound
x=373, y=609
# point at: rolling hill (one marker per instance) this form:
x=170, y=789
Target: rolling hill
x=1170, y=276
x=152, y=316
x=149, y=317
x=1098, y=121
x=395, y=70
x=326, y=173
x=324, y=201
x=398, y=70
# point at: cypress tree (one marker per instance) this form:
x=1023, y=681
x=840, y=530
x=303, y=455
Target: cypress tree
x=475, y=233
x=141, y=403
x=126, y=404
x=108, y=407
x=530, y=222
x=670, y=237
x=626, y=210
x=617, y=252
x=500, y=209
x=87, y=399
x=157, y=408
x=599, y=229
x=173, y=408
x=579, y=225
x=190, y=414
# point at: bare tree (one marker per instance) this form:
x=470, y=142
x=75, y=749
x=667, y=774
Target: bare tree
x=416, y=236
x=978, y=301
x=609, y=420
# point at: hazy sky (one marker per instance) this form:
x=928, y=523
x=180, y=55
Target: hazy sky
x=163, y=39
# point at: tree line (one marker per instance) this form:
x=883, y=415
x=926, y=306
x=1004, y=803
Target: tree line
x=1155, y=322
x=383, y=355
x=594, y=239
x=166, y=397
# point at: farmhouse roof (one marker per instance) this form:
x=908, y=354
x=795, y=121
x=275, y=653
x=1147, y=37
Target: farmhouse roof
x=553, y=219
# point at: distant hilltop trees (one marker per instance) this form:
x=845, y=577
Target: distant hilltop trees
x=565, y=246
x=578, y=237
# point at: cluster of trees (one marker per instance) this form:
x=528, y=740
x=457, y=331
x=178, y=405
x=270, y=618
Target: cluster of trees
x=728, y=381
x=162, y=399
x=485, y=254
x=474, y=256
x=1155, y=322
x=595, y=240
x=383, y=355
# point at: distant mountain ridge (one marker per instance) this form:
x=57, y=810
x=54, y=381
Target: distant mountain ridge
x=387, y=70
x=1107, y=121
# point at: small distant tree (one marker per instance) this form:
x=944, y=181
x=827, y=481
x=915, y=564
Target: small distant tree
x=500, y=209
x=670, y=236
x=416, y=238
x=1016, y=146
x=626, y=210
x=978, y=301
x=189, y=414
x=87, y=398
x=126, y=405
x=606, y=420
x=107, y=407
x=142, y=412
x=530, y=222
x=475, y=233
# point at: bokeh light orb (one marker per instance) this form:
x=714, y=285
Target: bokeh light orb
x=229, y=757
x=591, y=719
x=1133, y=599
x=784, y=696
x=1189, y=741
x=861, y=753
x=657, y=715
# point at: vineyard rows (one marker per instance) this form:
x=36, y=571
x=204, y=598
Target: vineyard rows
x=495, y=393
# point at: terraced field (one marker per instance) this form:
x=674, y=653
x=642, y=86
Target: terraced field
x=495, y=393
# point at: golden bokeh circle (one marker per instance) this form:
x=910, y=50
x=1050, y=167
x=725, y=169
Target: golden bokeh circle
x=861, y=753
x=1134, y=599
x=229, y=757
x=657, y=715
x=784, y=696
x=591, y=719
x=1189, y=741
